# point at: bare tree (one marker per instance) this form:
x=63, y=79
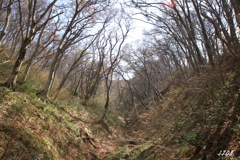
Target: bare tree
x=221, y=16
x=114, y=55
x=79, y=21
x=28, y=32
x=80, y=56
x=179, y=23
x=8, y=9
x=43, y=42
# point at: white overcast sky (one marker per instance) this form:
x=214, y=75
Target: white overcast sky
x=138, y=28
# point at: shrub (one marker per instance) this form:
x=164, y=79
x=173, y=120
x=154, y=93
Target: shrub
x=29, y=87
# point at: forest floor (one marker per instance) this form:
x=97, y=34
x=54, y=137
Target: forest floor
x=191, y=122
x=31, y=129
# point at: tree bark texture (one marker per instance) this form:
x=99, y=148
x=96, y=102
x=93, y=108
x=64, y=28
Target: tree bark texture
x=12, y=80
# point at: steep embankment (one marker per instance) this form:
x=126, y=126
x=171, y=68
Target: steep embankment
x=30, y=129
x=197, y=119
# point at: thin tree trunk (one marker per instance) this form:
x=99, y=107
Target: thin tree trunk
x=236, y=6
x=106, y=106
x=52, y=73
x=60, y=86
x=108, y=83
x=207, y=43
x=26, y=72
x=7, y=20
x=75, y=92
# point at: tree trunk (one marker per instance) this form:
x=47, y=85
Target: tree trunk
x=7, y=20
x=207, y=43
x=236, y=6
x=108, y=84
x=47, y=88
x=105, y=107
x=26, y=72
x=12, y=80
x=44, y=93
x=75, y=92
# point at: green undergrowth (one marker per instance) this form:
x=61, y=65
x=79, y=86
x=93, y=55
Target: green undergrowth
x=30, y=87
x=146, y=151
x=31, y=129
x=96, y=107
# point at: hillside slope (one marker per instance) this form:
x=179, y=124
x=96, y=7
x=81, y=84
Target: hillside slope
x=196, y=119
x=30, y=129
